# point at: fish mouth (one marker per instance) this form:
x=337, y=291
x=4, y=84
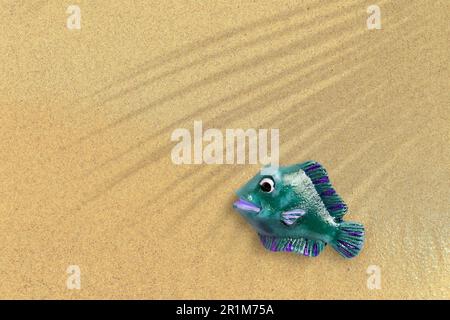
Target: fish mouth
x=246, y=206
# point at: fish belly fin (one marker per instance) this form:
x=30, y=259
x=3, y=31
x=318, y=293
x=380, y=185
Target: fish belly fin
x=306, y=247
x=350, y=239
x=291, y=216
x=319, y=177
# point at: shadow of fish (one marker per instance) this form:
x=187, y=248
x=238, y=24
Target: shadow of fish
x=296, y=209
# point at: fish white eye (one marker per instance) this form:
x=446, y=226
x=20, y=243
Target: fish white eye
x=267, y=185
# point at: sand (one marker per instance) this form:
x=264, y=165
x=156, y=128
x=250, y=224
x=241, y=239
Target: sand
x=86, y=176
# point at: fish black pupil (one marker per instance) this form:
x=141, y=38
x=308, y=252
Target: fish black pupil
x=266, y=187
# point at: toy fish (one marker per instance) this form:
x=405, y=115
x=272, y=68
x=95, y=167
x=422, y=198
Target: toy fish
x=296, y=209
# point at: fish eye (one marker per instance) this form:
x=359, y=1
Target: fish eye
x=267, y=185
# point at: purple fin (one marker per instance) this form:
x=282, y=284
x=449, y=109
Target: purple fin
x=319, y=177
x=328, y=192
x=306, y=247
x=336, y=206
x=350, y=239
x=313, y=167
x=321, y=180
x=315, y=252
x=306, y=250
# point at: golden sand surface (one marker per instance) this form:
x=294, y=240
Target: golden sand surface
x=86, y=176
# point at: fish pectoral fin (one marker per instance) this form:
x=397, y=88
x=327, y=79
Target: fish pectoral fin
x=291, y=216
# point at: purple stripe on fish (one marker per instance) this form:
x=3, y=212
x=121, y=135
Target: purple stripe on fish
x=321, y=180
x=289, y=247
x=315, y=253
x=348, y=245
x=274, y=246
x=306, y=252
x=336, y=206
x=355, y=234
x=264, y=239
x=350, y=230
x=345, y=252
x=328, y=192
x=314, y=167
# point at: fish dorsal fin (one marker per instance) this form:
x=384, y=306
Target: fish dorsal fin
x=306, y=247
x=319, y=177
x=289, y=217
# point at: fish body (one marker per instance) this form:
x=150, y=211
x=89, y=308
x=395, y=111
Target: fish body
x=296, y=209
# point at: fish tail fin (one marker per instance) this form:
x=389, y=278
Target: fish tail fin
x=350, y=239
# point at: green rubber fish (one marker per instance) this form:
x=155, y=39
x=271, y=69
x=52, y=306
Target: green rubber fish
x=296, y=209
